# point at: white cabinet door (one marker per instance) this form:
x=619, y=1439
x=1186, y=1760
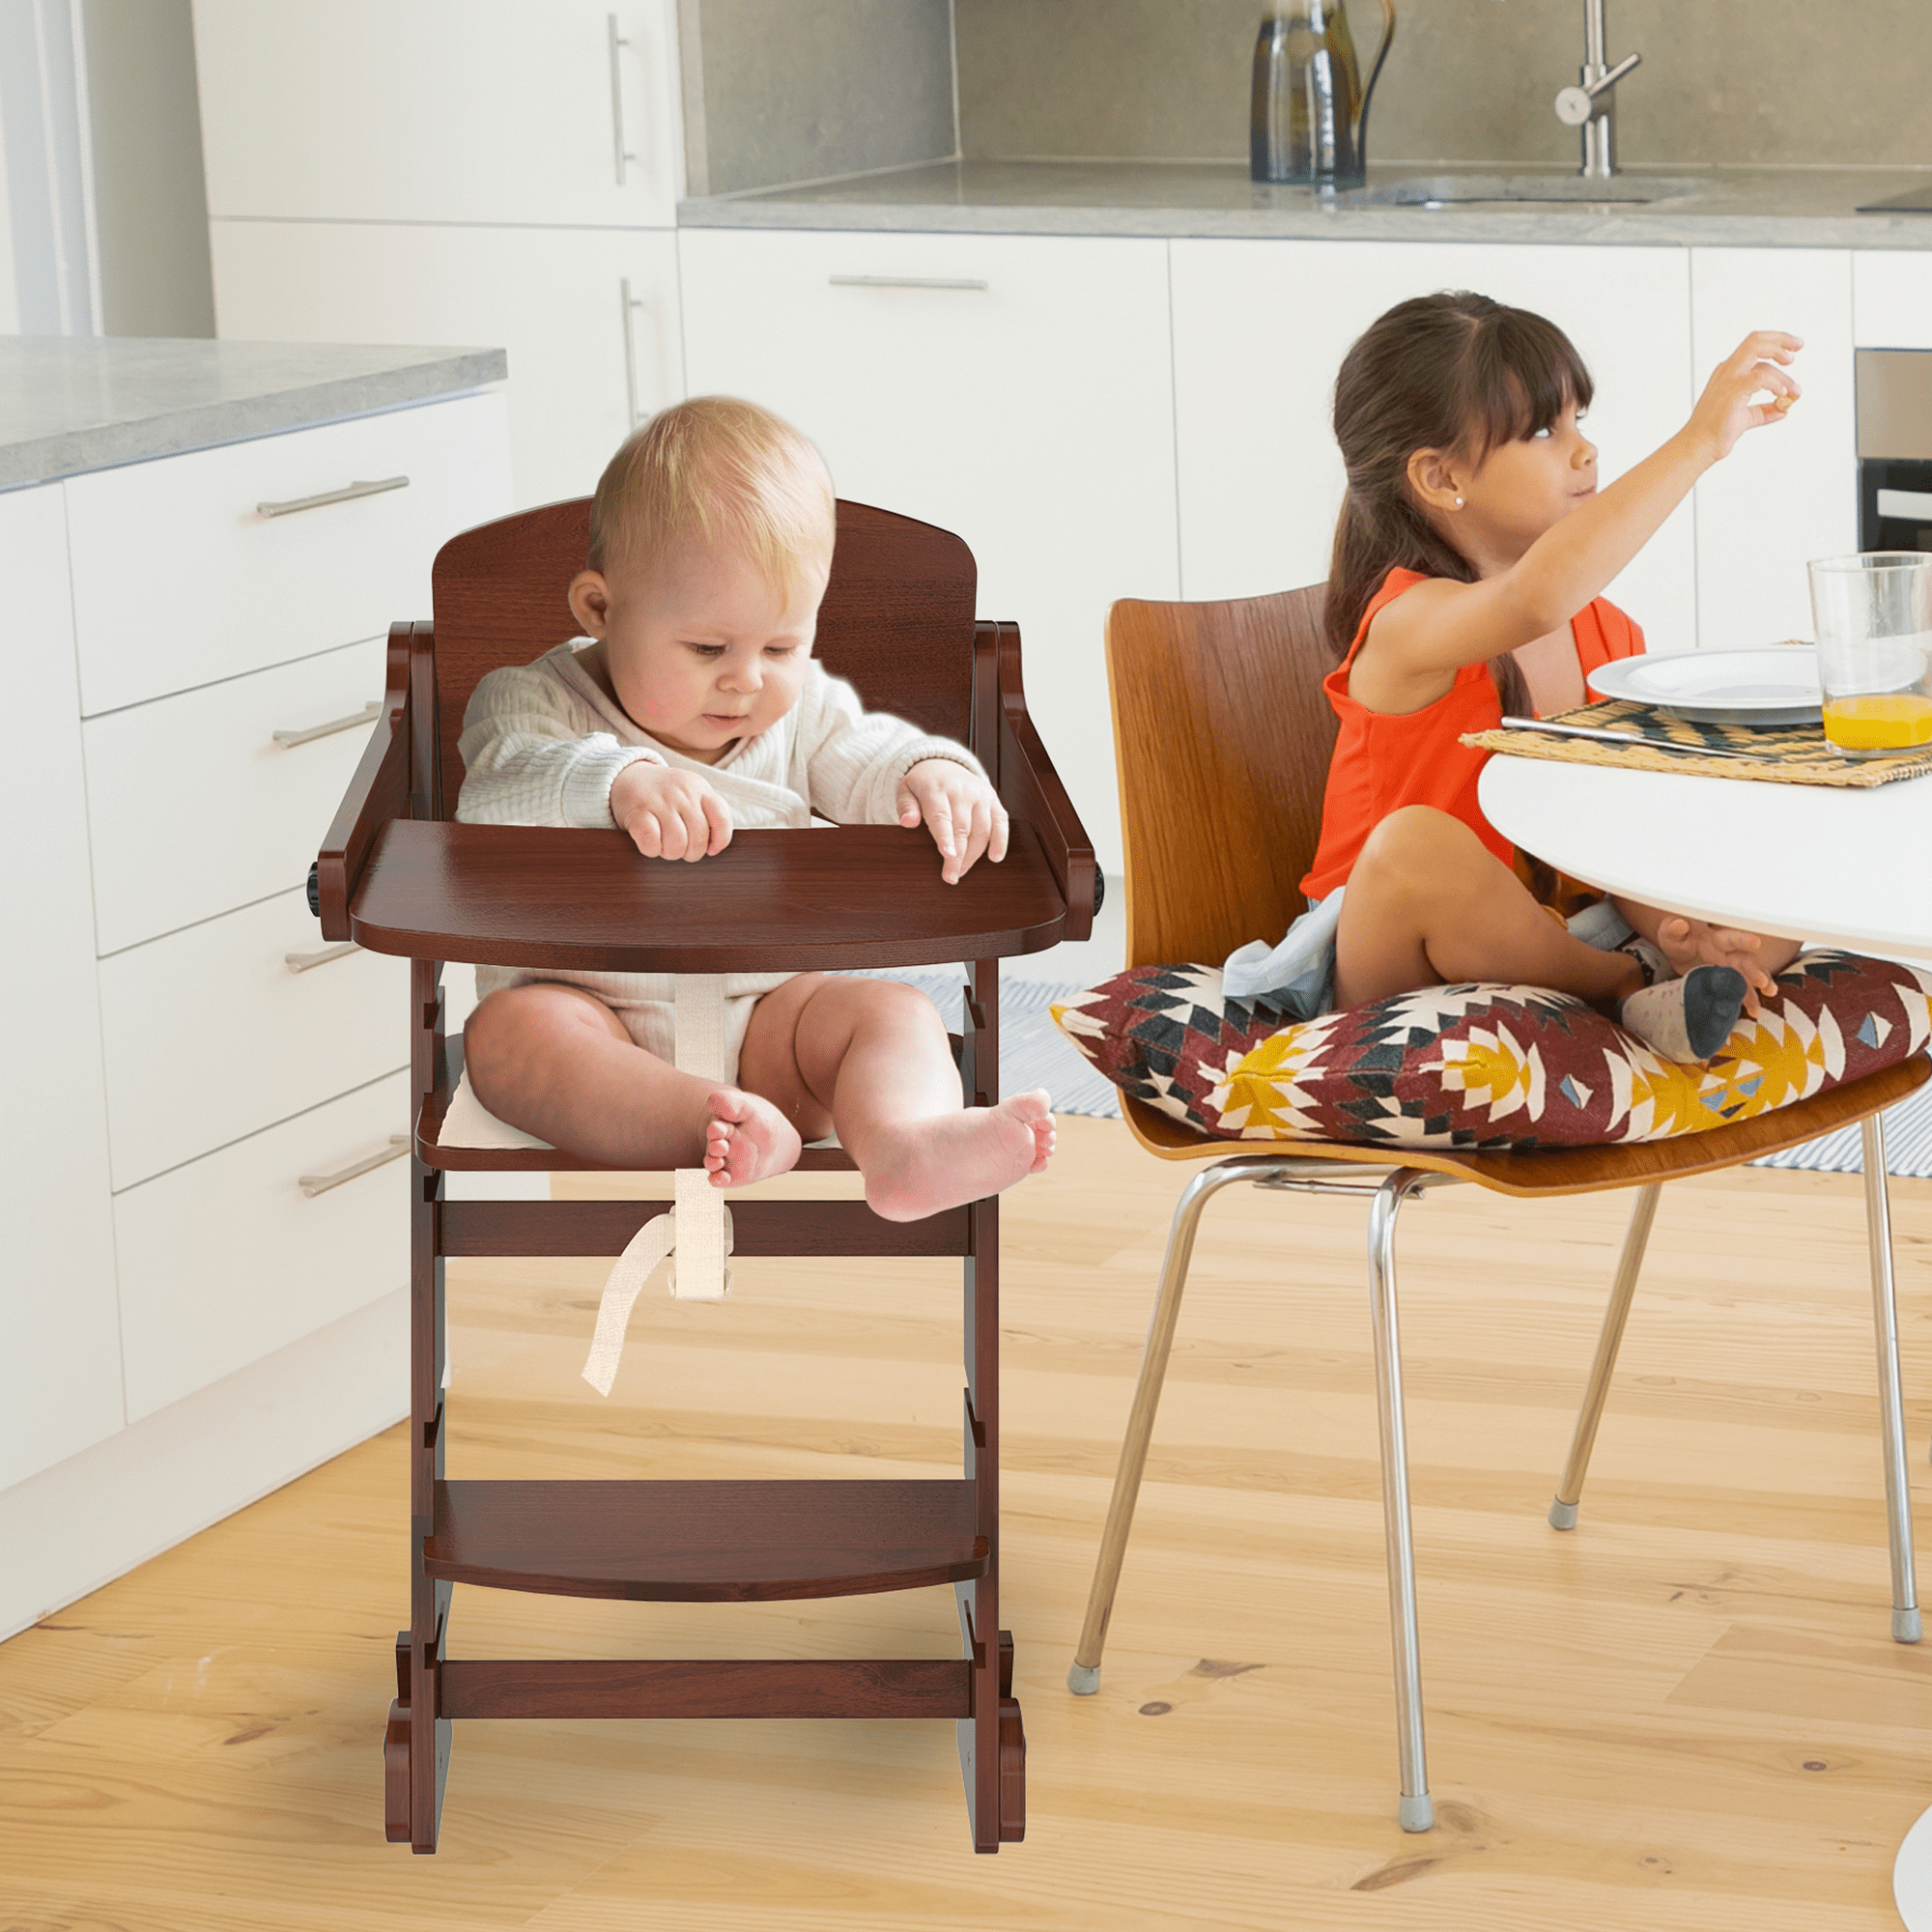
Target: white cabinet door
x=438, y=110
x=1789, y=491
x=1891, y=299
x=60, y=1350
x=1261, y=328
x=1028, y=408
x=581, y=359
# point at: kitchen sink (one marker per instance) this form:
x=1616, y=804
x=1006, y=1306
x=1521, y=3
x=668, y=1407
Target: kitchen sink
x=1460, y=191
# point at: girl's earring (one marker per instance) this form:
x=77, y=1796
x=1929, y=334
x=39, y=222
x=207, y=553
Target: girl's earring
x=1459, y=502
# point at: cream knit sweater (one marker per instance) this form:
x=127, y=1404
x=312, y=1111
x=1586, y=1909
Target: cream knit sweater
x=542, y=744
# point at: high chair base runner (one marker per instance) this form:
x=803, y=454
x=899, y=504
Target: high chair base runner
x=396, y=876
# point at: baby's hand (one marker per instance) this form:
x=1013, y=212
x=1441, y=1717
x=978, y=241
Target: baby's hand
x=1726, y=410
x=669, y=814
x=1695, y=942
x=959, y=808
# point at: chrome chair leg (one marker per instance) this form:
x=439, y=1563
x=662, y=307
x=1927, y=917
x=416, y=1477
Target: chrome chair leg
x=1570, y=1491
x=1415, y=1811
x=1905, y=1621
x=1084, y=1678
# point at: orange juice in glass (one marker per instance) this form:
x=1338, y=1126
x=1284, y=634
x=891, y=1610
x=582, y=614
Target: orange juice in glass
x=1873, y=615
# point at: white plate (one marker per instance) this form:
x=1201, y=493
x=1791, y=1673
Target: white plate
x=1779, y=685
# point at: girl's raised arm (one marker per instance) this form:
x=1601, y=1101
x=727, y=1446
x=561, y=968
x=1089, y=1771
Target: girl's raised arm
x=1417, y=643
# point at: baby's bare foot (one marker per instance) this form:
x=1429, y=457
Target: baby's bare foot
x=953, y=1158
x=747, y=1140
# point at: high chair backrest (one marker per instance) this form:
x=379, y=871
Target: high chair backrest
x=896, y=619
x=1222, y=734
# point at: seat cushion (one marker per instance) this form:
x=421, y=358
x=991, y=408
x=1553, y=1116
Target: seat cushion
x=1475, y=1066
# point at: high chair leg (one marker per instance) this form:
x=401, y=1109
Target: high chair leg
x=1905, y=1621
x=1084, y=1678
x=1630, y=1264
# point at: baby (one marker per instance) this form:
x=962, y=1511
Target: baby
x=692, y=705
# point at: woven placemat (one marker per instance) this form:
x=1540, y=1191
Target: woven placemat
x=1790, y=754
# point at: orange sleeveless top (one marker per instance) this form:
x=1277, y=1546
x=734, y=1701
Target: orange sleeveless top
x=1383, y=761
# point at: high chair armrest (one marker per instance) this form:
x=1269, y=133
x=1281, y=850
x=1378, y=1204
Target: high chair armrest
x=1024, y=777
x=378, y=792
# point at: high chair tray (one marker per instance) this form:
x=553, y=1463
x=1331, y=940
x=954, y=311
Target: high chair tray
x=770, y=902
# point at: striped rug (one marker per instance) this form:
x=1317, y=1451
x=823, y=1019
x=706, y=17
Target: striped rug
x=1034, y=1053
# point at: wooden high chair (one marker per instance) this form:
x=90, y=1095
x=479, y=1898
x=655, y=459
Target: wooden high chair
x=398, y=876
x=1223, y=735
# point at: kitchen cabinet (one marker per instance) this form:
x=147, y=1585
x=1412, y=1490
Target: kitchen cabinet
x=1260, y=326
x=439, y=111
x=1891, y=299
x=1014, y=389
x=1787, y=492
x=460, y=188
x=60, y=1341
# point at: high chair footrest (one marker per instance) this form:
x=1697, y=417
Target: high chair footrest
x=705, y=1541
x=940, y=1687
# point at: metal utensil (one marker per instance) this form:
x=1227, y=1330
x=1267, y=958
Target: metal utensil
x=1632, y=738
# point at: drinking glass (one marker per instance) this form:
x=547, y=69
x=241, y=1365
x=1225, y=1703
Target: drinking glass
x=1873, y=615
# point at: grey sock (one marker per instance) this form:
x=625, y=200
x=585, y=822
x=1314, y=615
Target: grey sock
x=1686, y=1019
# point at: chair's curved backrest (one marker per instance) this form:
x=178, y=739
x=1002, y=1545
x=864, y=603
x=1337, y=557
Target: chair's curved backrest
x=1222, y=734
x=896, y=619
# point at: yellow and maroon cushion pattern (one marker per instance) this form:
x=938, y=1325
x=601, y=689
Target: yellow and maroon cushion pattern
x=1482, y=1065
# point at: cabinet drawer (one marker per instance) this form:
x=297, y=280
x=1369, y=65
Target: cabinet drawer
x=227, y=1259
x=209, y=1036
x=178, y=580
x=193, y=806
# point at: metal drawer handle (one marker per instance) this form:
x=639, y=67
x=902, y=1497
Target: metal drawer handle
x=370, y=711
x=348, y=496
x=906, y=282
x=630, y=305
x=304, y=962
x=313, y=1184
x=618, y=97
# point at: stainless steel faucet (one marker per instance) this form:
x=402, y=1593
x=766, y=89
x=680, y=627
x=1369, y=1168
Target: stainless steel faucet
x=1590, y=107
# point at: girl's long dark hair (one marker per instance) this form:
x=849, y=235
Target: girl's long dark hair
x=1455, y=371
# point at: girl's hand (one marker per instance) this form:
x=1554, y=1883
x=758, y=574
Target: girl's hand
x=959, y=808
x=669, y=814
x=1726, y=409
x=1695, y=942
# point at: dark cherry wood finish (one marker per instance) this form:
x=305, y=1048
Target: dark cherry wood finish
x=395, y=874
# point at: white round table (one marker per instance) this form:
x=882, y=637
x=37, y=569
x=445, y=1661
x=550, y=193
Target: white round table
x=1837, y=867
x=1803, y=862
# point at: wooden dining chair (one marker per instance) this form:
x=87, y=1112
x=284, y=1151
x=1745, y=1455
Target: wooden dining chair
x=1223, y=736
x=396, y=874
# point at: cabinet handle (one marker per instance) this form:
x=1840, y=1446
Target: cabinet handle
x=618, y=97
x=628, y=306
x=304, y=962
x=313, y=1184
x=1905, y=503
x=345, y=495
x=906, y=282
x=289, y=740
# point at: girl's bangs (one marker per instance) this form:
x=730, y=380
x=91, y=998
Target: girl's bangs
x=1524, y=371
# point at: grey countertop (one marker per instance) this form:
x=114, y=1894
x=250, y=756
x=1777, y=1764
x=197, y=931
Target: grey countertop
x=68, y=405
x=1795, y=207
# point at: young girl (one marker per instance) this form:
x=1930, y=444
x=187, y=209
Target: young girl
x=1472, y=546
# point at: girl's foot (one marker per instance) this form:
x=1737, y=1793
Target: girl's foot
x=1686, y=1019
x=746, y=1139
x=944, y=1162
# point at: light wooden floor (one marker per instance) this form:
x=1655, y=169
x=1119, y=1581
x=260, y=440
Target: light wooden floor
x=1686, y=1715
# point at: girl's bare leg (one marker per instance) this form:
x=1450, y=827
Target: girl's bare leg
x=1428, y=903
x=870, y=1057
x=556, y=1062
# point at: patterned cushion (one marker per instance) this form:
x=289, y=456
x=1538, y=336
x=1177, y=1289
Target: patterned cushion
x=1482, y=1065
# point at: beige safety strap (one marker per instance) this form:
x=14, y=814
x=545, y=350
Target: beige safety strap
x=698, y=1230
